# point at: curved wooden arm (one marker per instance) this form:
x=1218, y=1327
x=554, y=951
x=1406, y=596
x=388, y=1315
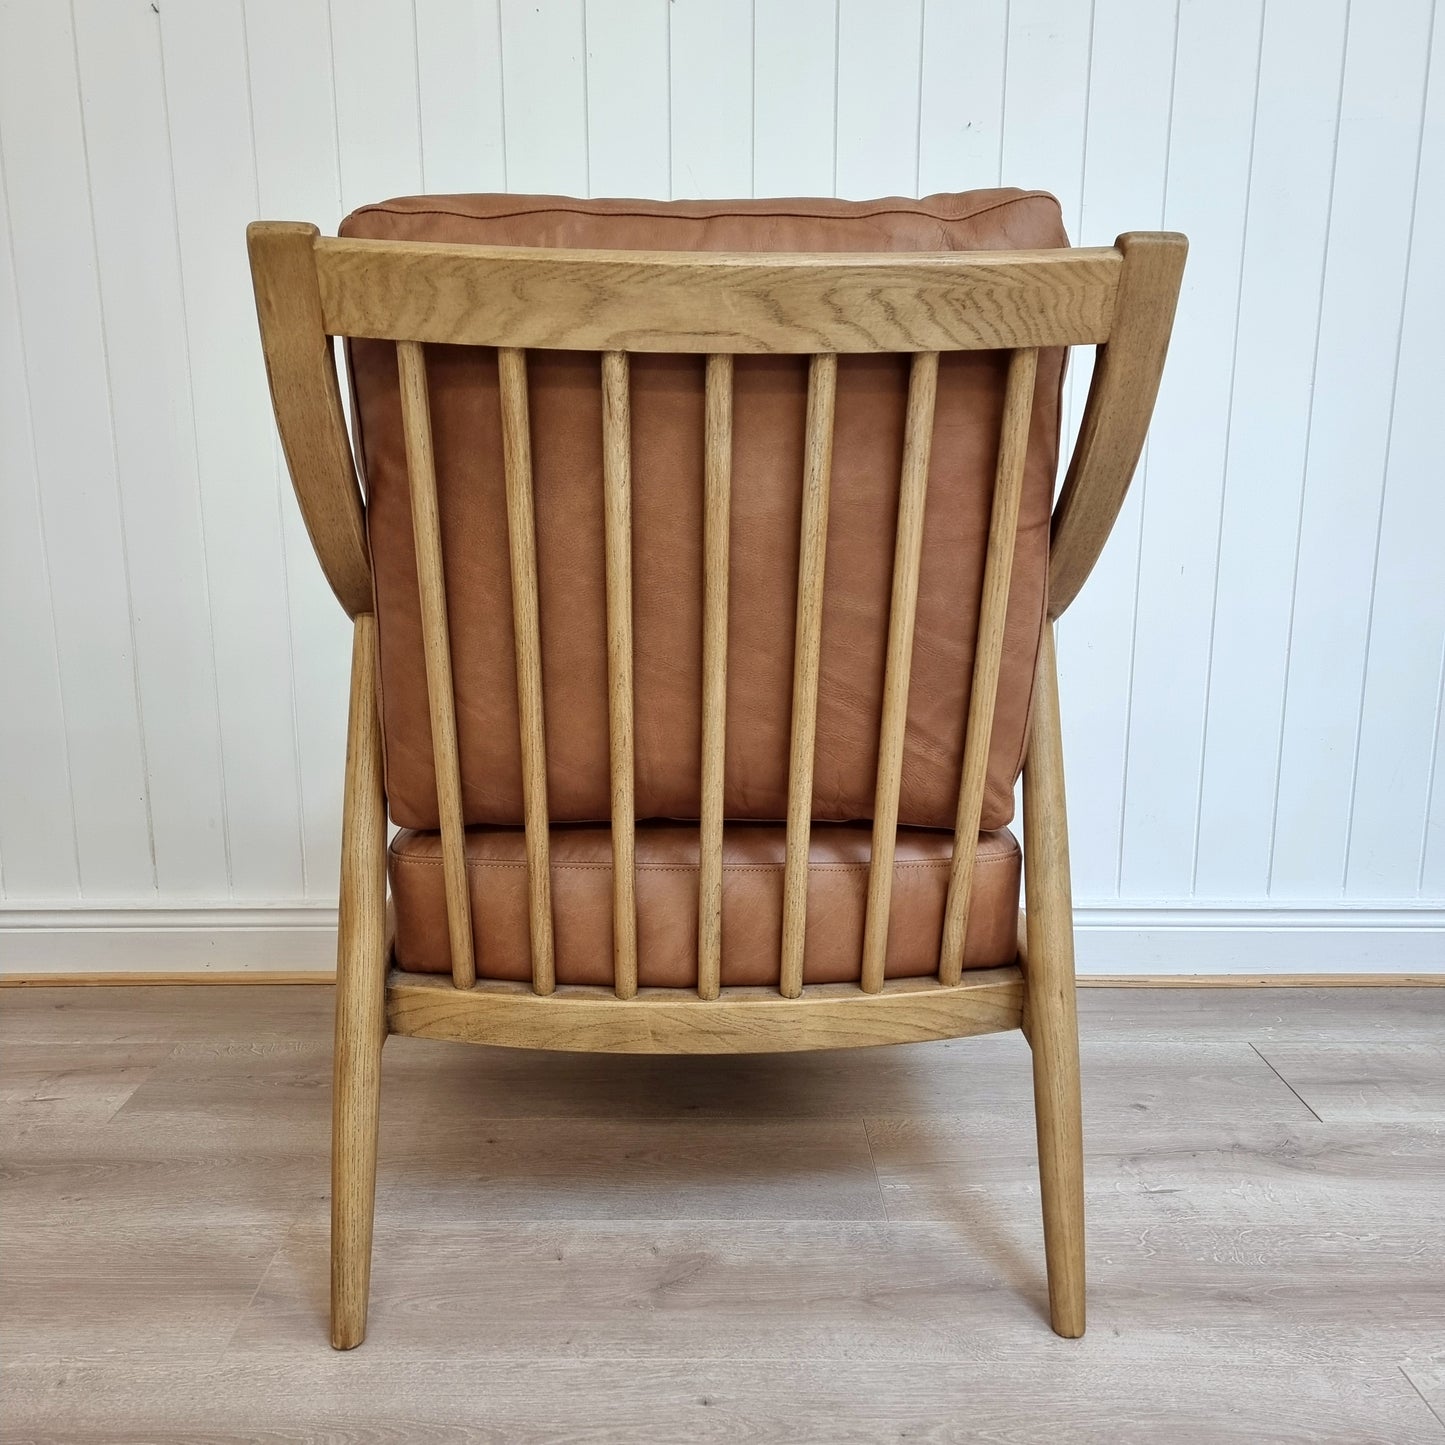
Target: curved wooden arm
x=1116, y=416
x=301, y=367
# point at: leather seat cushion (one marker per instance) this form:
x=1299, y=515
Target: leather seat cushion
x=667, y=882
x=667, y=451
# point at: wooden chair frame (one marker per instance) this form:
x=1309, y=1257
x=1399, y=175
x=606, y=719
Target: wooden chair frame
x=311, y=289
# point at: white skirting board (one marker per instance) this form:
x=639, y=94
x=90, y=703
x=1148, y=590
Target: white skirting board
x=1203, y=939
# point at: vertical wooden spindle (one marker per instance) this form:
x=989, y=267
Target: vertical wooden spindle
x=617, y=508
x=902, y=613
x=717, y=486
x=988, y=653
x=426, y=529
x=526, y=629
x=807, y=635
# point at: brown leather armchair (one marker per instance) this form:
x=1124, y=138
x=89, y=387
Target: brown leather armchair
x=702, y=590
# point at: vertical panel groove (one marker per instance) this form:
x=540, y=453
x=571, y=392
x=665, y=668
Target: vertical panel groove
x=1311, y=172
x=617, y=510
x=1405, y=278
x=902, y=613
x=431, y=585
x=281, y=484
x=147, y=781
x=1228, y=442
x=988, y=653
x=183, y=307
x=807, y=635
x=1305, y=464
x=1432, y=777
x=42, y=549
x=527, y=642
x=717, y=486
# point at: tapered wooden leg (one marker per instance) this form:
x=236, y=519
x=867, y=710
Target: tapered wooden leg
x=360, y=1003
x=1052, y=1016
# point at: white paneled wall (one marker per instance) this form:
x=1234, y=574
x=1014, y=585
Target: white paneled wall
x=1252, y=679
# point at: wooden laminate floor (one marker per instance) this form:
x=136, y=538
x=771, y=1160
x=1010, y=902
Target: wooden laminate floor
x=835, y=1247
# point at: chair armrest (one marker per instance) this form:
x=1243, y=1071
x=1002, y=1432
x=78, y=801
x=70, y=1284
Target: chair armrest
x=301, y=367
x=1116, y=416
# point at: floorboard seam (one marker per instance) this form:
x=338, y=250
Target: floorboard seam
x=287, y=1236
x=125, y=1102
x=1422, y=1396
x=246, y=1308
x=877, y=1177
x=1285, y=1082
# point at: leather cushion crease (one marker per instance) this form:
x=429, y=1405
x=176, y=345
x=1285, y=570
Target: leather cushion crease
x=770, y=397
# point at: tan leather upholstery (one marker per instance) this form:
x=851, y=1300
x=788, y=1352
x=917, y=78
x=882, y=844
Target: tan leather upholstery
x=667, y=452
x=667, y=550
x=667, y=855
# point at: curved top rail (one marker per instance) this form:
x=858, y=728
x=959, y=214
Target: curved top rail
x=702, y=302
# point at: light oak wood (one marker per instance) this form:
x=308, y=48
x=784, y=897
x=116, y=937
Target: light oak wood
x=720, y=1208
x=902, y=613
x=263, y=977
x=617, y=513
x=527, y=641
x=988, y=653
x=130, y=978
x=673, y=1021
x=1198, y=1392
x=692, y=302
x=361, y=952
x=301, y=368
x=436, y=642
x=1363, y=1081
x=1427, y=1376
x=1051, y=1009
x=807, y=639
x=821, y=305
x=714, y=1207
x=1116, y=416
x=1261, y=980
x=717, y=502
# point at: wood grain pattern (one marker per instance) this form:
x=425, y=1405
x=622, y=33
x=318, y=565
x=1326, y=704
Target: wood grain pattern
x=817, y=304
x=1334, y=981
x=1116, y=415
x=717, y=503
x=361, y=951
x=431, y=583
x=1286, y=1013
x=220, y=977
x=742, y=1020
x=617, y=515
x=527, y=642
x=434, y=1399
x=902, y=613
x=690, y=302
x=1350, y=1082
x=301, y=369
x=1427, y=1375
x=268, y=977
x=982, y=1084
x=807, y=639
x=988, y=653
x=1049, y=981
x=172, y=1271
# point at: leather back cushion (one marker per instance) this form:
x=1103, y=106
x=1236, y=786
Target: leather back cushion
x=667, y=397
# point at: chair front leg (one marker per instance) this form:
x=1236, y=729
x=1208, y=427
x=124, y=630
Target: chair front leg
x=1051, y=1008
x=360, y=1003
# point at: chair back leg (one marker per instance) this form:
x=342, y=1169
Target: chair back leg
x=360, y=1003
x=1050, y=1007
